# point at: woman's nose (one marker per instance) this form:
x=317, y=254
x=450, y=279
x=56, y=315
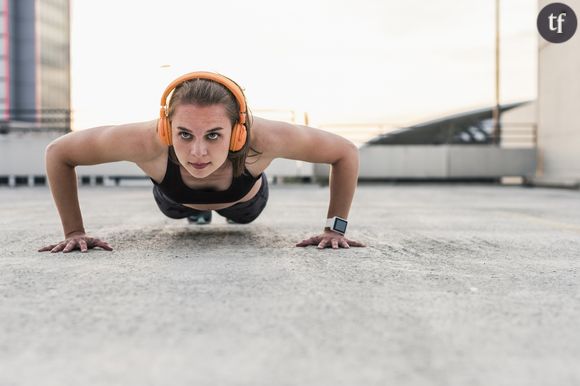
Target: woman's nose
x=198, y=149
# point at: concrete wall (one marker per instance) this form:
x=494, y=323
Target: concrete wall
x=442, y=162
x=22, y=154
x=558, y=108
x=403, y=162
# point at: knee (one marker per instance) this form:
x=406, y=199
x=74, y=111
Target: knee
x=173, y=213
x=242, y=220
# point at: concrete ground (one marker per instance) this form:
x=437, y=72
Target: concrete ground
x=459, y=285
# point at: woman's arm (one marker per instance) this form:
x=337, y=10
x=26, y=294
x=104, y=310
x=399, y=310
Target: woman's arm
x=285, y=140
x=135, y=142
x=63, y=185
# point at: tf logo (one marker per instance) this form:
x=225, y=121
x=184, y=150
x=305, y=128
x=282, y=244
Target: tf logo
x=557, y=22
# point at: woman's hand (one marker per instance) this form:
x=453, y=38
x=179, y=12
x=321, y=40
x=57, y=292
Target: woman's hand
x=77, y=241
x=330, y=239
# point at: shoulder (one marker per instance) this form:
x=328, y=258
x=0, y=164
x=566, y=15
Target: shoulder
x=258, y=137
x=136, y=142
x=266, y=135
x=139, y=141
x=286, y=140
x=151, y=141
x=153, y=160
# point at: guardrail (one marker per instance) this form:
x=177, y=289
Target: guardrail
x=519, y=135
x=22, y=161
x=35, y=120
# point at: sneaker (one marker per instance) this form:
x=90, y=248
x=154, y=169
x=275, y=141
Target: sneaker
x=203, y=218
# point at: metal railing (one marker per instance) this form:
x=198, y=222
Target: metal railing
x=35, y=120
x=519, y=135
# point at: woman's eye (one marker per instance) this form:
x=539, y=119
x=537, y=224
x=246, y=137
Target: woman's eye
x=210, y=136
x=184, y=135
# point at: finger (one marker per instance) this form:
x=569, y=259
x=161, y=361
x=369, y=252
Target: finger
x=104, y=245
x=334, y=243
x=47, y=248
x=323, y=244
x=344, y=244
x=59, y=247
x=353, y=243
x=69, y=246
x=302, y=243
x=83, y=245
x=311, y=241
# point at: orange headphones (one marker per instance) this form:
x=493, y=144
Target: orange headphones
x=239, y=133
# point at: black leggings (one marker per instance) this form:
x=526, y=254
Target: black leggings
x=242, y=212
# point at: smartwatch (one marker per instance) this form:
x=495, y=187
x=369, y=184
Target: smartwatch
x=337, y=224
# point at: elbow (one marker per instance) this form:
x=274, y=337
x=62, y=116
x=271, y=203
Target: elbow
x=53, y=154
x=350, y=154
x=355, y=154
x=353, y=149
x=51, y=151
x=51, y=147
x=350, y=148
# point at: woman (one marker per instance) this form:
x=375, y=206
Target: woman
x=204, y=153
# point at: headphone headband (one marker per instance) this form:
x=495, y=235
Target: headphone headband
x=239, y=133
x=218, y=78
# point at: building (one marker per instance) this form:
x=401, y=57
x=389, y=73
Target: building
x=553, y=120
x=558, y=115
x=35, y=65
x=459, y=147
x=467, y=128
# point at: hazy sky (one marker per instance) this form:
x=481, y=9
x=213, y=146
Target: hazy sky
x=339, y=60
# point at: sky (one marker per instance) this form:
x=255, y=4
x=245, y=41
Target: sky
x=341, y=61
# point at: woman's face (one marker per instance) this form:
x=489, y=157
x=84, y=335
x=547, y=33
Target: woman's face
x=201, y=138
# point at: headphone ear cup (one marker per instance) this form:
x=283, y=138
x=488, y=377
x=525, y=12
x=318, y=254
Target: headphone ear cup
x=164, y=130
x=238, y=139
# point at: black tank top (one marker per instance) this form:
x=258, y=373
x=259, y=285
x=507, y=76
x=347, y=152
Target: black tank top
x=174, y=188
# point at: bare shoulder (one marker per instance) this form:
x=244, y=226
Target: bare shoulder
x=154, y=159
x=266, y=135
x=142, y=139
x=260, y=138
x=298, y=142
x=135, y=142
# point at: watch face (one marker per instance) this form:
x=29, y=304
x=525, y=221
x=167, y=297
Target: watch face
x=340, y=225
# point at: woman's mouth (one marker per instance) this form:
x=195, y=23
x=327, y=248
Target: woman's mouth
x=199, y=166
